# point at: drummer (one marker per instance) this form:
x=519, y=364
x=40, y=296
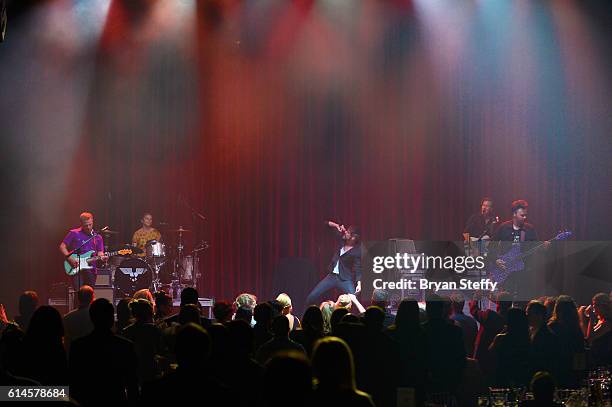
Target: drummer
x=146, y=233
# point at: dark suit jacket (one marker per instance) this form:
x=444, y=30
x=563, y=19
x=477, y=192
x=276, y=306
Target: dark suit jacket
x=350, y=263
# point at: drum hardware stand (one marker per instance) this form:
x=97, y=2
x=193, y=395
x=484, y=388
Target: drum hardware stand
x=156, y=281
x=204, y=245
x=175, y=283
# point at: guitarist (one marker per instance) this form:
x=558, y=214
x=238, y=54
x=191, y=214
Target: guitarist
x=480, y=228
x=73, y=240
x=514, y=231
x=517, y=229
x=481, y=225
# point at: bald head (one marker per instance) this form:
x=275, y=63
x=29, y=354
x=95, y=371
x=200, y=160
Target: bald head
x=85, y=295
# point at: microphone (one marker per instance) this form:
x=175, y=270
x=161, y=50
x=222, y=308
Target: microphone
x=334, y=225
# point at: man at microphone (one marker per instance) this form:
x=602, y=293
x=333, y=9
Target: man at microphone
x=344, y=268
x=77, y=237
x=480, y=225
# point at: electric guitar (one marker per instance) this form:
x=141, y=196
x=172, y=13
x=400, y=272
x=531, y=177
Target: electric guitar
x=514, y=259
x=87, y=260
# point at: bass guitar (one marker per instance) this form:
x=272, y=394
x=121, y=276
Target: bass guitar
x=514, y=259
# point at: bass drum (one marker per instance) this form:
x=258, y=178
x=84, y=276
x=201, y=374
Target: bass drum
x=130, y=276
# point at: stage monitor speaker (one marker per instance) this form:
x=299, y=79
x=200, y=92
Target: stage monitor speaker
x=104, y=277
x=104, y=292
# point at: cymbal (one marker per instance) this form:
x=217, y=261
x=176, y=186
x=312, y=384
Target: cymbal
x=179, y=230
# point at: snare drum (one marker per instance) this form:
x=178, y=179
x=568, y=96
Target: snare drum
x=133, y=274
x=155, y=249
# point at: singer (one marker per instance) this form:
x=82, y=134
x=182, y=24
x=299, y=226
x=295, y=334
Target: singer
x=344, y=268
x=481, y=225
x=78, y=239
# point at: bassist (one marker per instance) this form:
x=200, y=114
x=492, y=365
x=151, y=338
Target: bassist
x=74, y=240
x=513, y=232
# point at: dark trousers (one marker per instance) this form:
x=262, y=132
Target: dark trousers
x=330, y=282
x=84, y=277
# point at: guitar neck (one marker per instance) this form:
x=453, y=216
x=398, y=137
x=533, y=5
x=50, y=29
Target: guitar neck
x=96, y=258
x=531, y=251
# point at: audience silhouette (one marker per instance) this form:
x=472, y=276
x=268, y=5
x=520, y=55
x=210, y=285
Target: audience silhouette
x=152, y=356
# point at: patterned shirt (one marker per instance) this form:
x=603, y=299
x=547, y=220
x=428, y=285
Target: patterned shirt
x=141, y=237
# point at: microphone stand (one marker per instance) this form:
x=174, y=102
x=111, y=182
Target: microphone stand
x=77, y=251
x=195, y=258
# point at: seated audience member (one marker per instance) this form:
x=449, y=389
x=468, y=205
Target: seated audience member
x=163, y=308
x=11, y=348
x=277, y=308
x=191, y=380
x=565, y=325
x=599, y=330
x=543, y=388
x=146, y=337
x=263, y=321
x=28, y=302
x=381, y=350
x=549, y=303
x=222, y=312
x=280, y=341
x=189, y=296
x=287, y=377
x=285, y=301
x=336, y=318
x=43, y=355
x=445, y=351
x=467, y=324
x=77, y=323
x=380, y=298
x=4, y=321
x=241, y=344
x=220, y=351
x=343, y=301
x=327, y=308
x=6, y=378
x=312, y=329
x=189, y=313
x=491, y=323
x=511, y=350
x=350, y=319
x=103, y=357
x=408, y=332
x=144, y=294
x=244, y=314
x=544, y=344
x=248, y=301
x=334, y=369
x=124, y=315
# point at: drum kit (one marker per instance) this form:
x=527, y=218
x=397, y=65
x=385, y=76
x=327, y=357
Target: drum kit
x=159, y=266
